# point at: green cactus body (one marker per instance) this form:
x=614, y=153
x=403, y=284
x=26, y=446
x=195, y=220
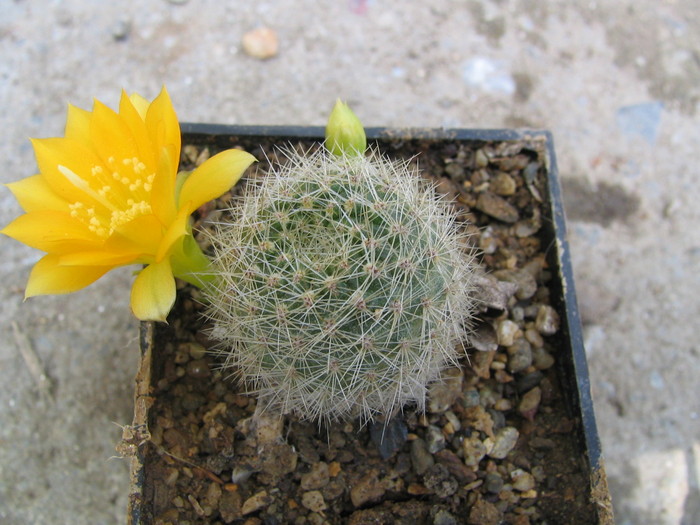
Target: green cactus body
x=343, y=287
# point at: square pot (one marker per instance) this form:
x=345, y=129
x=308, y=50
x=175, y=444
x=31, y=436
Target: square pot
x=554, y=470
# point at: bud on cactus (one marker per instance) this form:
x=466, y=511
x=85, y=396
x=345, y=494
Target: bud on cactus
x=344, y=287
x=344, y=132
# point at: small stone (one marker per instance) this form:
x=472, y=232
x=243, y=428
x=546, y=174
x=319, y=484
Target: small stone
x=499, y=419
x=524, y=280
x=171, y=477
x=241, y=473
x=528, y=381
x=473, y=485
x=547, y=320
x=479, y=419
x=316, y=478
x=484, y=338
x=527, y=228
x=484, y=513
x=439, y=481
x=493, y=483
x=503, y=404
x=261, y=43
x=519, y=356
x=230, y=506
x=442, y=517
x=198, y=368
x=534, y=338
x=255, y=503
x=313, y=500
x=529, y=403
x=481, y=363
x=444, y=392
x=504, y=441
x=522, y=481
x=276, y=461
x=434, y=439
x=388, y=437
x=455, y=466
x=453, y=420
x=503, y=184
x=445, y=187
x=541, y=359
x=471, y=398
x=334, y=489
x=190, y=152
x=182, y=355
x=199, y=510
x=492, y=292
x=502, y=376
x=455, y=170
x=506, y=332
x=481, y=159
x=497, y=207
x=529, y=494
x=202, y=157
x=195, y=350
x=192, y=401
x=530, y=172
x=416, y=489
x=538, y=473
x=268, y=428
x=368, y=488
x=421, y=459
x=334, y=469
x=474, y=451
x=488, y=244
x=121, y=30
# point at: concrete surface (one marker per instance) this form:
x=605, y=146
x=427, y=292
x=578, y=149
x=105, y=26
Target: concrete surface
x=617, y=81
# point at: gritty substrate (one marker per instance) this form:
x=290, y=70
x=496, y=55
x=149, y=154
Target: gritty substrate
x=497, y=443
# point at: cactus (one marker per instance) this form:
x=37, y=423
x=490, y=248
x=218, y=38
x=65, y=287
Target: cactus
x=344, y=287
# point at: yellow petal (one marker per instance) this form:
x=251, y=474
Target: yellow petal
x=78, y=124
x=77, y=158
x=110, y=136
x=177, y=229
x=141, y=104
x=214, y=178
x=142, y=235
x=163, y=126
x=163, y=192
x=131, y=116
x=33, y=194
x=48, y=277
x=51, y=231
x=98, y=258
x=153, y=293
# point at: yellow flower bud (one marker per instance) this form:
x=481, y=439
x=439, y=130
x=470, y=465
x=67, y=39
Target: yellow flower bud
x=344, y=132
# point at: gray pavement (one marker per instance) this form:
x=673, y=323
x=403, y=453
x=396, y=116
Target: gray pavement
x=617, y=82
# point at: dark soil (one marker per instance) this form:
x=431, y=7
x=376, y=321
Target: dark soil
x=502, y=448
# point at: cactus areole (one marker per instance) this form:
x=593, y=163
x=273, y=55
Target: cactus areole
x=344, y=287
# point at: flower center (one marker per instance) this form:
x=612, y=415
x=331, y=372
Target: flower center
x=121, y=190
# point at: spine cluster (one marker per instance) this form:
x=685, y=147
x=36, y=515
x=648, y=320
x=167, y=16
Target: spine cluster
x=343, y=289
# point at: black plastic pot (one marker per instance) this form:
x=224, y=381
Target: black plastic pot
x=571, y=357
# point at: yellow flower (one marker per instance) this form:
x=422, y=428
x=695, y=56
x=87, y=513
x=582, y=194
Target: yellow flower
x=108, y=194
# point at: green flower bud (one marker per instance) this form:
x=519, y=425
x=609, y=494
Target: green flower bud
x=344, y=132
